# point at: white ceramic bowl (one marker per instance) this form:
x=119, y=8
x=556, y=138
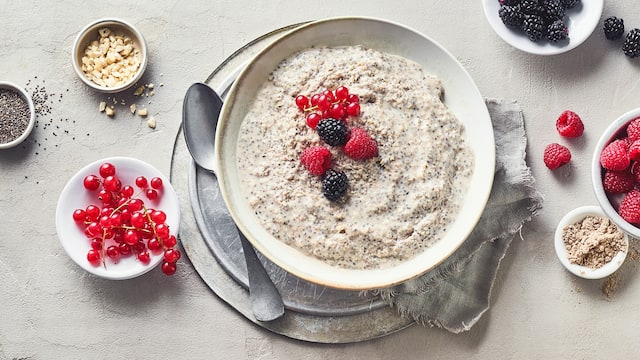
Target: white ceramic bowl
x=610, y=203
x=572, y=217
x=582, y=21
x=32, y=114
x=462, y=98
x=90, y=33
x=75, y=196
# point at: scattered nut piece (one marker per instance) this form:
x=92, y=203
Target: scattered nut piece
x=150, y=86
x=139, y=91
x=110, y=111
x=132, y=108
x=102, y=106
x=152, y=93
x=143, y=112
x=151, y=122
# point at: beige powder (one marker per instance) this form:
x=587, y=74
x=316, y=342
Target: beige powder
x=593, y=242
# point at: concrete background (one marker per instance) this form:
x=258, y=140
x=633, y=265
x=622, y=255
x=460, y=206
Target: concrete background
x=51, y=309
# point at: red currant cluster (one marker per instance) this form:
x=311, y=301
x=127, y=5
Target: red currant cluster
x=336, y=104
x=122, y=225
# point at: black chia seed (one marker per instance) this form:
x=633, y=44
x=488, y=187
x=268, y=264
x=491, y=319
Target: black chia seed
x=14, y=115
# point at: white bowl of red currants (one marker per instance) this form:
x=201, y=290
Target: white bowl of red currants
x=117, y=219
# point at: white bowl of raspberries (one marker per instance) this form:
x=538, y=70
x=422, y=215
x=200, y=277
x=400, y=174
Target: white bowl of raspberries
x=616, y=172
x=543, y=27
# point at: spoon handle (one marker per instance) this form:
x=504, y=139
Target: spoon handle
x=266, y=301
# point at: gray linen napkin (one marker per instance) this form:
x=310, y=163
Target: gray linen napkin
x=457, y=293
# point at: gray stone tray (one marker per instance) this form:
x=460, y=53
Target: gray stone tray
x=208, y=235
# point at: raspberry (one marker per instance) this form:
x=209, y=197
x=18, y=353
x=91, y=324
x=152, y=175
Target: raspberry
x=615, y=156
x=556, y=155
x=316, y=159
x=633, y=129
x=569, y=124
x=334, y=184
x=360, y=145
x=634, y=151
x=629, y=208
x=618, y=182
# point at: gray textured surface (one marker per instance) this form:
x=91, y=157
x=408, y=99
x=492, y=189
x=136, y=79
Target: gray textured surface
x=51, y=309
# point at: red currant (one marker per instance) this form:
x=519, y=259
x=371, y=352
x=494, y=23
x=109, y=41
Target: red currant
x=105, y=196
x=329, y=95
x=93, y=212
x=91, y=182
x=124, y=249
x=172, y=255
x=158, y=216
x=96, y=244
x=353, y=98
x=107, y=169
x=313, y=119
x=302, y=102
x=127, y=191
x=342, y=93
x=94, y=229
x=168, y=268
x=93, y=256
x=137, y=220
x=79, y=215
x=156, y=183
x=324, y=102
x=314, y=99
x=141, y=182
x=144, y=257
x=135, y=205
x=131, y=237
x=353, y=109
x=170, y=242
x=151, y=194
x=112, y=183
x=162, y=230
x=337, y=111
x=113, y=252
x=153, y=244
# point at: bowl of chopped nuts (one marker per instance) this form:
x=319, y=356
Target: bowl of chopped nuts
x=589, y=244
x=17, y=115
x=110, y=55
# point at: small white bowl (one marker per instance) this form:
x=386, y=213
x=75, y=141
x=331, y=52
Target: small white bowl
x=75, y=196
x=32, y=114
x=582, y=21
x=572, y=217
x=90, y=33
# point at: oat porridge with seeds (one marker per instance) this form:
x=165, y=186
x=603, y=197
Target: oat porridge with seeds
x=397, y=204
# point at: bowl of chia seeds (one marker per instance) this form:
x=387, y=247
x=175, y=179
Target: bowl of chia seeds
x=17, y=115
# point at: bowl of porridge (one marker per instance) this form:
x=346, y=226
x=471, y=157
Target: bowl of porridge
x=355, y=153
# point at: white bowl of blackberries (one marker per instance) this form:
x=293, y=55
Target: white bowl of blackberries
x=543, y=27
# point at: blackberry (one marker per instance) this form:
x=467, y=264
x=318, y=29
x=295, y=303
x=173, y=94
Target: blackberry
x=613, y=28
x=554, y=10
x=334, y=184
x=532, y=7
x=534, y=27
x=570, y=3
x=511, y=16
x=332, y=131
x=557, y=31
x=631, y=46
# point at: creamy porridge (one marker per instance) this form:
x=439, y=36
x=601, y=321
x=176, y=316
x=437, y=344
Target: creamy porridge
x=398, y=203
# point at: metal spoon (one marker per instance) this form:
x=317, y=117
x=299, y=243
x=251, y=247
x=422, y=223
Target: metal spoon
x=200, y=111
